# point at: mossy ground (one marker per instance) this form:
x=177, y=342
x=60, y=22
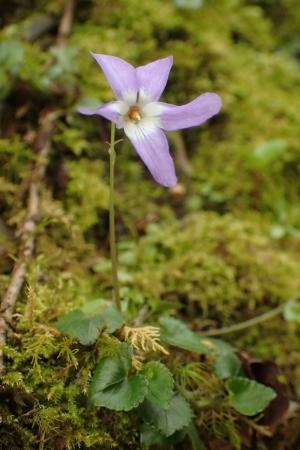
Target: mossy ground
x=221, y=249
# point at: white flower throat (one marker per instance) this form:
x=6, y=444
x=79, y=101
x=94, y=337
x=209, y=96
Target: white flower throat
x=139, y=114
x=134, y=113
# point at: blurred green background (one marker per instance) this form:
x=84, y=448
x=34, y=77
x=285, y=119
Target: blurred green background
x=219, y=248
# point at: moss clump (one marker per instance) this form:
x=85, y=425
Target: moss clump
x=44, y=398
x=214, y=266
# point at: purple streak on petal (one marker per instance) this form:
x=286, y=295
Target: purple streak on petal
x=120, y=74
x=153, y=77
x=153, y=148
x=194, y=113
x=108, y=111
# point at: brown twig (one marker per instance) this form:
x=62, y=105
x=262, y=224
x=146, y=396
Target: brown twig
x=66, y=23
x=180, y=152
x=27, y=231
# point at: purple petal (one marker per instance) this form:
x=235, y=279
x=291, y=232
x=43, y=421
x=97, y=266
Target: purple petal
x=192, y=114
x=152, y=146
x=120, y=74
x=110, y=111
x=153, y=77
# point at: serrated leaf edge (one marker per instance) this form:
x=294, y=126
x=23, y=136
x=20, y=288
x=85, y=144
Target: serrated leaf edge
x=189, y=419
x=170, y=381
x=134, y=404
x=251, y=382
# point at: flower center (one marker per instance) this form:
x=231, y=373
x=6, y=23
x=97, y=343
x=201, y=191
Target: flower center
x=134, y=113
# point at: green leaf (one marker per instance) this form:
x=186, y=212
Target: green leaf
x=109, y=371
x=95, y=306
x=247, y=396
x=178, y=334
x=267, y=153
x=197, y=443
x=177, y=416
x=112, y=369
x=112, y=319
x=112, y=387
x=160, y=383
x=89, y=102
x=291, y=311
x=86, y=328
x=11, y=56
x=77, y=325
x=188, y=4
x=227, y=365
x=122, y=396
x=126, y=356
x=152, y=436
x=217, y=345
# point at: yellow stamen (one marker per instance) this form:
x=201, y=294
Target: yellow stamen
x=134, y=113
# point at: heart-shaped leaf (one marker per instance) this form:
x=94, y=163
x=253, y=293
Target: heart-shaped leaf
x=112, y=369
x=175, y=332
x=227, y=365
x=160, y=383
x=113, y=387
x=247, y=396
x=176, y=417
x=111, y=318
x=79, y=326
x=86, y=328
x=109, y=371
x=122, y=396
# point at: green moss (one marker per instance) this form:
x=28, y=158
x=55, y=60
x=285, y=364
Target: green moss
x=214, y=265
x=49, y=401
x=87, y=193
x=206, y=253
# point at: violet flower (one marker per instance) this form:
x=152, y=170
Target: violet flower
x=143, y=117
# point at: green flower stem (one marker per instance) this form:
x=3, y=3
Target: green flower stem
x=248, y=323
x=112, y=230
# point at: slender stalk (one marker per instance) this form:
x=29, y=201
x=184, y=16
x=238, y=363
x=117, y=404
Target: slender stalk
x=246, y=324
x=112, y=231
